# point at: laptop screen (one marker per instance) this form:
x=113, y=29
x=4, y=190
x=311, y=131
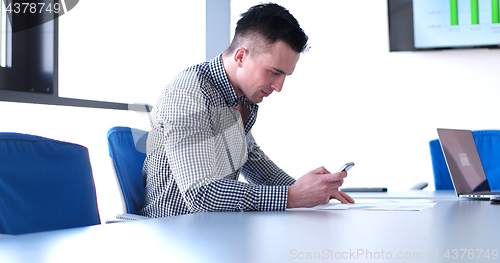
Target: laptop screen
x=463, y=161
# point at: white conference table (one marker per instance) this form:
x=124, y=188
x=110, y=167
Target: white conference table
x=453, y=228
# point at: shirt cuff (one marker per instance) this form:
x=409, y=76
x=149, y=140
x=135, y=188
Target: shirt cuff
x=273, y=198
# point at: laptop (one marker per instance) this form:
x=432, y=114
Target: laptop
x=465, y=166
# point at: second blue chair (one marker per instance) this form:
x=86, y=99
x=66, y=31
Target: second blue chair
x=127, y=149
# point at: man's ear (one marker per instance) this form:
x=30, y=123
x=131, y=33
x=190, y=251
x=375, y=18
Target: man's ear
x=240, y=55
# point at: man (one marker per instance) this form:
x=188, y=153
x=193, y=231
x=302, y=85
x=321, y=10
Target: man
x=201, y=139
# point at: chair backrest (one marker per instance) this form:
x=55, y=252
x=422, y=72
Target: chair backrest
x=127, y=149
x=44, y=185
x=488, y=146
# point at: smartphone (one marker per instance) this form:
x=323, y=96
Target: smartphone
x=346, y=167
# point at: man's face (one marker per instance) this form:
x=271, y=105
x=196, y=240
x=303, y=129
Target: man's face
x=258, y=76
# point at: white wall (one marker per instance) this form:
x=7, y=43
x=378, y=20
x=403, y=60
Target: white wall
x=349, y=99
x=126, y=51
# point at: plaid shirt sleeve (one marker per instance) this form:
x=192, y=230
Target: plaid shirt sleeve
x=259, y=169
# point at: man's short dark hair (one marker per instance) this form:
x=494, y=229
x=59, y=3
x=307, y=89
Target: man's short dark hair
x=271, y=22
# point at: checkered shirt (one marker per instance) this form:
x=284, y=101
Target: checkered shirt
x=197, y=148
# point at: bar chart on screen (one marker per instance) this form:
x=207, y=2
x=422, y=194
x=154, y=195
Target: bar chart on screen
x=456, y=23
x=474, y=12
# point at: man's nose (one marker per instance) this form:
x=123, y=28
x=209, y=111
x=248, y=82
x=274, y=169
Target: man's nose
x=278, y=84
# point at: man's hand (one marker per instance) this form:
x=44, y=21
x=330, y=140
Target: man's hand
x=317, y=187
x=342, y=197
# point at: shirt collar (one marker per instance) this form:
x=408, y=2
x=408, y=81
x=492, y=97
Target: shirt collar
x=221, y=81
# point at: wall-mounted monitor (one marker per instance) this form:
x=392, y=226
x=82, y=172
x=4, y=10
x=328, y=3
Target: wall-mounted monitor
x=443, y=24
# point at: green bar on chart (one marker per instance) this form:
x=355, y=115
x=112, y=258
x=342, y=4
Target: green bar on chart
x=474, y=11
x=454, y=12
x=495, y=12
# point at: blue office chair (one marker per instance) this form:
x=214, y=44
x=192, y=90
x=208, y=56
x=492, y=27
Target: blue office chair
x=127, y=149
x=488, y=146
x=44, y=185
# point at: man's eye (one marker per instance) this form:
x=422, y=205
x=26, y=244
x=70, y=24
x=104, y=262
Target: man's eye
x=275, y=73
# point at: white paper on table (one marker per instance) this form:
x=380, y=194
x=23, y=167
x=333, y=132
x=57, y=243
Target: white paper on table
x=380, y=205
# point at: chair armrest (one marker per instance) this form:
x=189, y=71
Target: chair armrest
x=419, y=186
